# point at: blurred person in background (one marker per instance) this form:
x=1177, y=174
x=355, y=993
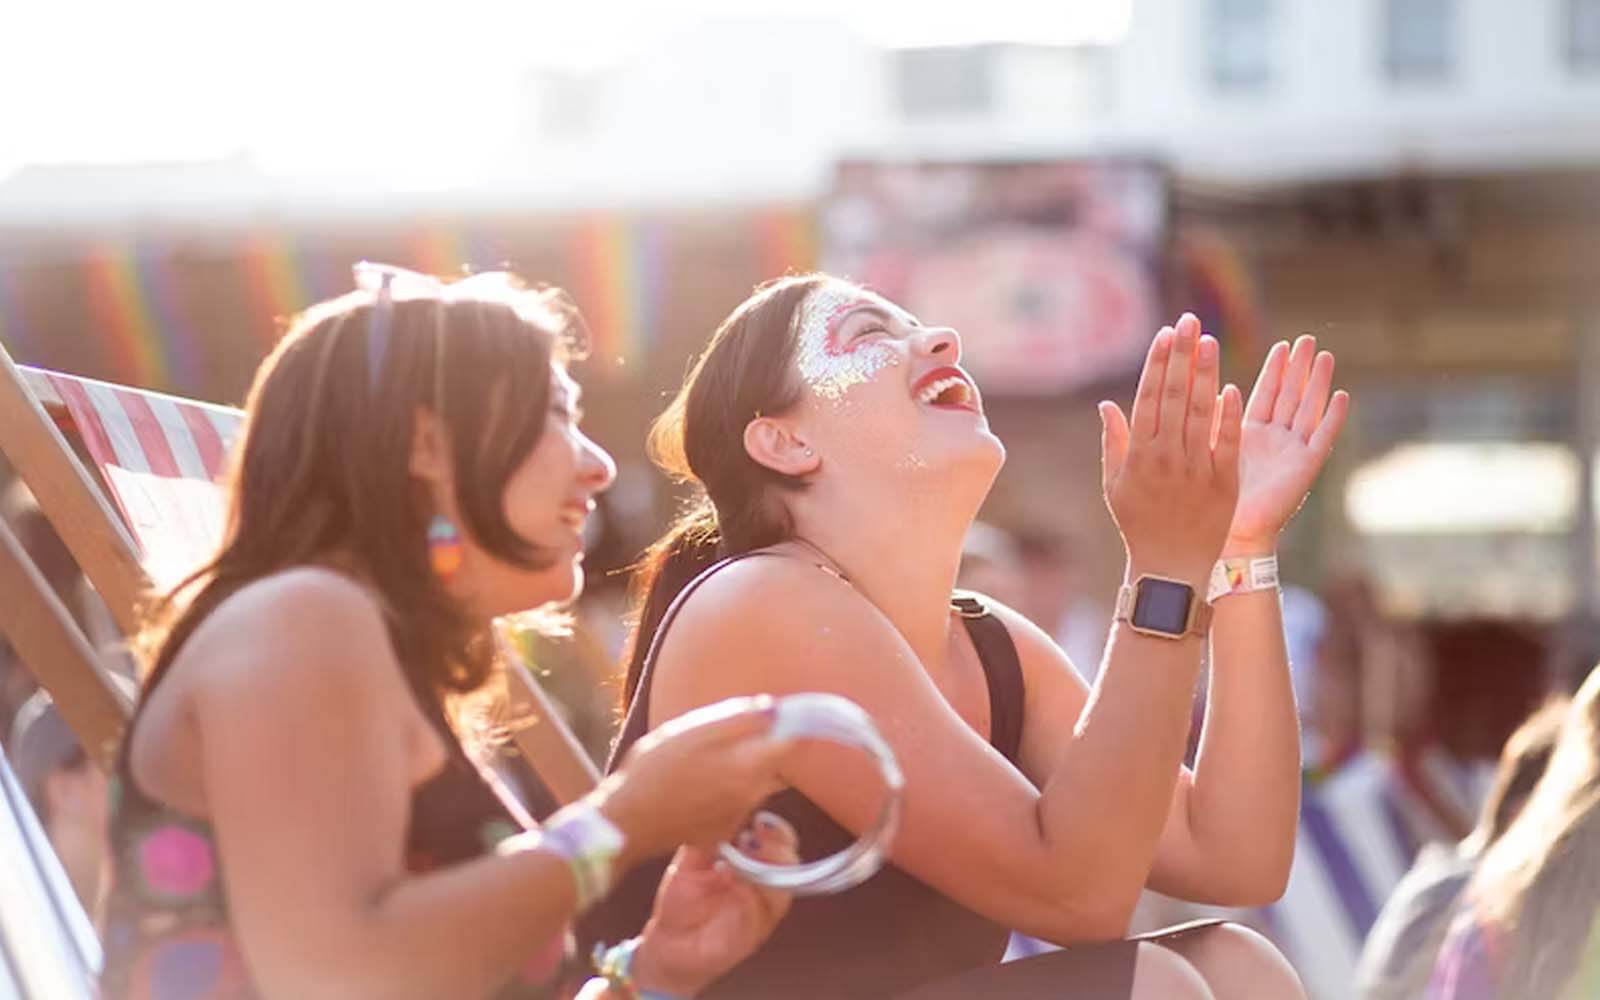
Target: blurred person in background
x=838, y=437
x=67, y=792
x=1059, y=600
x=302, y=807
x=1400, y=951
x=1526, y=925
x=991, y=564
x=1378, y=786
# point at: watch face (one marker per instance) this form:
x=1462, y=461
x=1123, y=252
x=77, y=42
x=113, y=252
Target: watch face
x=1162, y=606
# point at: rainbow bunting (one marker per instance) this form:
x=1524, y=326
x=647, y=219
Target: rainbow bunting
x=788, y=242
x=121, y=311
x=275, y=281
x=1218, y=275
x=620, y=271
x=163, y=294
x=438, y=250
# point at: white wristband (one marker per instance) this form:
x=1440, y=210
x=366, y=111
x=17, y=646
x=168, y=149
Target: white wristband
x=1242, y=576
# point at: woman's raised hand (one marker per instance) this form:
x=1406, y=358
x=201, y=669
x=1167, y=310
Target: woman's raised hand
x=1289, y=429
x=1171, y=471
x=696, y=779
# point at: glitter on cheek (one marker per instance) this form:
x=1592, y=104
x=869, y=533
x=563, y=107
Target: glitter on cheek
x=828, y=369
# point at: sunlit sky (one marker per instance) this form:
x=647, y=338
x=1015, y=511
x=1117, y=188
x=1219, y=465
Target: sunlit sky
x=108, y=81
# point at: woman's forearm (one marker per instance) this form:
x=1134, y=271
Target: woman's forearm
x=1245, y=796
x=464, y=930
x=1124, y=760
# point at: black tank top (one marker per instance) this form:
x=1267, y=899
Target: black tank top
x=891, y=933
x=168, y=930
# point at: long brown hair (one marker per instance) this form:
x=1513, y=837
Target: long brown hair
x=1541, y=881
x=322, y=470
x=747, y=370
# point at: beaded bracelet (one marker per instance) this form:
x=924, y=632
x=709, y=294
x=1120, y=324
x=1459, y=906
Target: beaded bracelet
x=615, y=966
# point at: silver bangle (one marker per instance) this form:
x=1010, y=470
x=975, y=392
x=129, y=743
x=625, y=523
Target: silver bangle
x=839, y=720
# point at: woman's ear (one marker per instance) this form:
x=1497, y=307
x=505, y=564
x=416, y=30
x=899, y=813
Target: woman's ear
x=779, y=448
x=430, y=449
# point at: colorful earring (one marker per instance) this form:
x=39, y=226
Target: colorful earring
x=444, y=547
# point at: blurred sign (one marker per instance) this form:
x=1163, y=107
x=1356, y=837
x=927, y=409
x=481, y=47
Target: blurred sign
x=1048, y=270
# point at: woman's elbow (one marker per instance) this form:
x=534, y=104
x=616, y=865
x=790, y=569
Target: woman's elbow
x=1251, y=886
x=1080, y=914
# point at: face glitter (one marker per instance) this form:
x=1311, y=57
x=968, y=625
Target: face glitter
x=827, y=366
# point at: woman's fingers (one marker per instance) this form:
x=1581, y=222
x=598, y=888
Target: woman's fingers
x=1147, y=400
x=1175, y=384
x=770, y=838
x=1265, y=394
x=1225, y=456
x=1113, y=442
x=1294, y=380
x=1315, y=399
x=1332, y=422
x=1202, y=400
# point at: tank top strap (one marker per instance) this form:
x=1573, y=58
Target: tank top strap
x=1002, y=671
x=635, y=722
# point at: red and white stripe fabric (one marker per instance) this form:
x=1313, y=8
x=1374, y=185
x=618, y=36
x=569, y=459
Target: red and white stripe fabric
x=161, y=456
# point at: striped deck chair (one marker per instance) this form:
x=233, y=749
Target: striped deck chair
x=158, y=458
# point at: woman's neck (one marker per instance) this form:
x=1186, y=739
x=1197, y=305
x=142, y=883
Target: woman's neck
x=906, y=566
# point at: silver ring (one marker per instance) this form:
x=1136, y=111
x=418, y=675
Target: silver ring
x=840, y=720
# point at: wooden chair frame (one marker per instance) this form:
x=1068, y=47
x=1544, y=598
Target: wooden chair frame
x=32, y=423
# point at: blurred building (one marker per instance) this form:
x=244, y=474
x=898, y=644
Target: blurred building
x=1415, y=181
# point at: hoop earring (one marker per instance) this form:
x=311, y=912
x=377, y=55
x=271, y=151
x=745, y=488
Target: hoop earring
x=444, y=548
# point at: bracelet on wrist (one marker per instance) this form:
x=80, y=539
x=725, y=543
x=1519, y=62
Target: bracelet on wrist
x=1243, y=575
x=614, y=965
x=588, y=842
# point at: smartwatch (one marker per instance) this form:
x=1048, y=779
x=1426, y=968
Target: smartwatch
x=1162, y=607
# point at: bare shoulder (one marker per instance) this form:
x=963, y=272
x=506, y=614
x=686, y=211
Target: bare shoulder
x=305, y=631
x=771, y=624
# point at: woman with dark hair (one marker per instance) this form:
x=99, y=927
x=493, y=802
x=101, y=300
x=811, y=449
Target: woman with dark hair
x=1527, y=925
x=304, y=807
x=837, y=436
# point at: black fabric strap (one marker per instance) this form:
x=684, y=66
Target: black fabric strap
x=1002, y=670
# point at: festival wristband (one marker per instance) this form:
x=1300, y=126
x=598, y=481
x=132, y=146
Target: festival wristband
x=837, y=719
x=1243, y=575
x=615, y=966
x=583, y=838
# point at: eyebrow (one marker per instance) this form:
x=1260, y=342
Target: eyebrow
x=876, y=310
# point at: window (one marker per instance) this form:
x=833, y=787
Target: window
x=1583, y=35
x=1241, y=43
x=1419, y=45
x=945, y=81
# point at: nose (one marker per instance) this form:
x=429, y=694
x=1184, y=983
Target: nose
x=940, y=343
x=597, y=470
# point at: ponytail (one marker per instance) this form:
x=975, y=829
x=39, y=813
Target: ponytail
x=691, y=546
x=747, y=370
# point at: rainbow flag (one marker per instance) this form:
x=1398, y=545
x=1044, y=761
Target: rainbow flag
x=619, y=265
x=124, y=318
x=1229, y=301
x=162, y=289
x=275, y=282
x=787, y=242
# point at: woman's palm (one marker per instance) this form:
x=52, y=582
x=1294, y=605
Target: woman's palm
x=1290, y=425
